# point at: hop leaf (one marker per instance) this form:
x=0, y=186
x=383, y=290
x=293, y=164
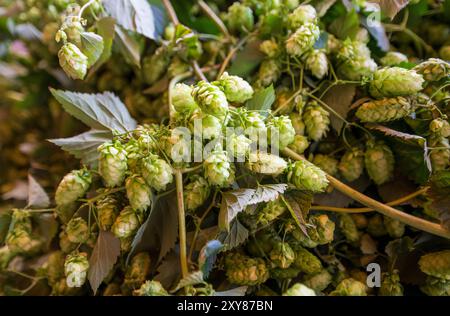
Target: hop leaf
x=395, y=81
x=73, y=61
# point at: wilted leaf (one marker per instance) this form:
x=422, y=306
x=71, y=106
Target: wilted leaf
x=128, y=46
x=299, y=205
x=136, y=15
x=407, y=138
x=103, y=258
x=5, y=220
x=262, y=100
x=37, y=198
x=337, y=198
x=92, y=45
x=236, y=236
x=48, y=227
x=376, y=29
x=339, y=98
x=439, y=196
x=105, y=28
x=233, y=202
x=203, y=237
x=208, y=256
x=169, y=270
x=84, y=146
x=98, y=111
x=400, y=186
x=391, y=7
x=267, y=192
x=399, y=246
x=239, y=291
x=193, y=278
x=246, y=60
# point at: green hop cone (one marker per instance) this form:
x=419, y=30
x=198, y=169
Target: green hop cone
x=385, y=110
x=391, y=286
x=440, y=128
x=436, y=264
x=196, y=192
x=440, y=157
x=239, y=18
x=65, y=244
x=299, y=289
x=326, y=163
x=211, y=99
x=154, y=66
x=305, y=261
x=112, y=163
x=271, y=211
x=263, y=242
x=77, y=230
x=281, y=274
x=182, y=99
x=270, y=48
x=238, y=145
x=265, y=163
x=156, y=172
x=218, y=169
x=243, y=270
x=54, y=267
x=21, y=241
x=394, y=227
x=297, y=123
x=355, y=60
x=280, y=131
x=107, y=211
x=138, y=192
x=126, y=243
x=73, y=61
x=350, y=287
x=348, y=228
x=127, y=223
x=210, y=127
x=137, y=272
x=351, y=165
x=376, y=227
x=75, y=269
x=395, y=81
x=300, y=144
x=235, y=88
x=433, y=69
x=6, y=255
x=436, y=287
x=393, y=59
x=306, y=176
x=251, y=122
x=316, y=121
x=301, y=15
x=444, y=52
x=320, y=232
x=379, y=162
x=302, y=39
x=318, y=281
x=317, y=63
x=151, y=288
x=269, y=72
x=282, y=255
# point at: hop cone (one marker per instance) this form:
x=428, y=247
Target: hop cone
x=281, y=274
x=75, y=269
x=262, y=244
x=300, y=144
x=436, y=264
x=348, y=228
x=265, y=163
x=281, y=127
x=182, y=99
x=355, y=59
x=303, y=39
x=282, y=255
x=394, y=227
x=137, y=271
x=54, y=267
x=156, y=172
x=252, y=122
x=6, y=255
x=385, y=110
x=243, y=270
x=154, y=66
x=376, y=226
x=393, y=59
x=320, y=232
x=127, y=223
x=301, y=15
x=318, y=281
x=271, y=211
x=306, y=176
x=297, y=123
x=326, y=163
x=299, y=289
x=210, y=127
x=379, y=162
x=440, y=128
x=112, y=163
x=72, y=187
x=391, y=286
x=433, y=69
x=73, y=61
x=65, y=244
x=395, y=81
x=211, y=99
x=444, y=52
x=350, y=287
x=62, y=289
x=436, y=287
x=316, y=121
x=351, y=165
x=21, y=241
x=138, y=192
x=235, y=88
x=270, y=48
x=317, y=63
x=107, y=211
x=196, y=192
x=305, y=261
x=440, y=157
x=269, y=72
x=218, y=169
x=151, y=288
x=77, y=230
x=239, y=18
x=238, y=145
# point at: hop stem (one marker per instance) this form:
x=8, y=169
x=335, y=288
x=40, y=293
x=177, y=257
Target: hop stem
x=384, y=209
x=181, y=223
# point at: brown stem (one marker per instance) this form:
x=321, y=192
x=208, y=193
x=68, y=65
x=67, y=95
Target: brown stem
x=213, y=16
x=230, y=55
x=181, y=223
x=384, y=209
x=171, y=11
x=198, y=71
